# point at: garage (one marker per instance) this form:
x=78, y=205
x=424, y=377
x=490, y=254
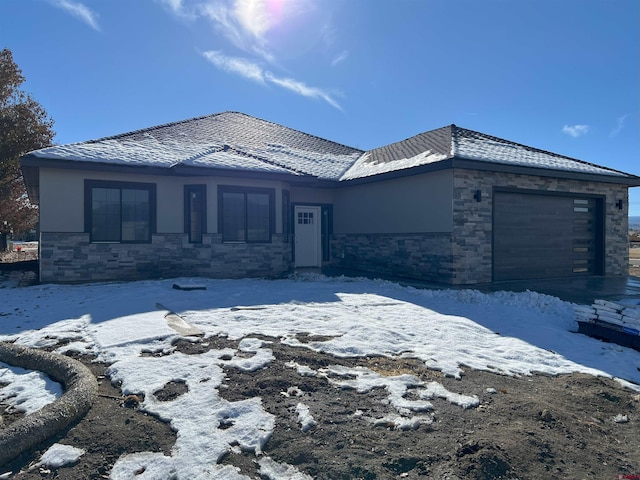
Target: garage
x=542, y=235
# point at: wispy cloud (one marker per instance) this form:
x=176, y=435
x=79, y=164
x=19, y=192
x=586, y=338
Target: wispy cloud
x=301, y=89
x=575, y=130
x=619, y=125
x=79, y=11
x=340, y=58
x=240, y=66
x=265, y=30
x=177, y=7
x=328, y=34
x=253, y=71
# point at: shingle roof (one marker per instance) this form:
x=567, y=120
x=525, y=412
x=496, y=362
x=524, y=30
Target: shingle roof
x=472, y=145
x=236, y=141
x=229, y=140
x=422, y=149
x=453, y=142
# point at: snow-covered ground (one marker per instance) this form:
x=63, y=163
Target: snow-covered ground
x=508, y=333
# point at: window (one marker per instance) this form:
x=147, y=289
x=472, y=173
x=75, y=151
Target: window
x=246, y=214
x=119, y=211
x=195, y=212
x=305, y=218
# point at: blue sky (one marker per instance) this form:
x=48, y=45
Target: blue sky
x=563, y=76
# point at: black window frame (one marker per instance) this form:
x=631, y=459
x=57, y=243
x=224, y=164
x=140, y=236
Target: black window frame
x=286, y=215
x=89, y=185
x=270, y=192
x=188, y=190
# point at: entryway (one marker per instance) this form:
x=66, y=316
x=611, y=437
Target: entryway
x=307, y=221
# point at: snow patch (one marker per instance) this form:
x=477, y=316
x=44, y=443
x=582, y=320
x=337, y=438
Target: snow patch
x=305, y=419
x=58, y=455
x=280, y=471
x=27, y=391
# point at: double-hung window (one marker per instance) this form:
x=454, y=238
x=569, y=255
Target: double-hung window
x=122, y=212
x=246, y=214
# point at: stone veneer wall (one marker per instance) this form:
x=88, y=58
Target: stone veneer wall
x=472, y=220
x=71, y=258
x=424, y=256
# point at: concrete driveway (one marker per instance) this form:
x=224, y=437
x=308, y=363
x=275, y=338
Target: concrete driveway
x=581, y=290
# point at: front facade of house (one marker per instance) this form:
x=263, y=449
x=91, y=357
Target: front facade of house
x=232, y=196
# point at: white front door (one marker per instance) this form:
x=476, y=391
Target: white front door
x=307, y=235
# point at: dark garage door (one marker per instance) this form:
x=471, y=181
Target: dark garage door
x=545, y=236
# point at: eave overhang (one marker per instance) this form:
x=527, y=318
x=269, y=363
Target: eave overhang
x=33, y=163
x=30, y=165
x=466, y=164
x=480, y=165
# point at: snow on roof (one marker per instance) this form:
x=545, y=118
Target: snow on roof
x=236, y=141
x=454, y=142
x=421, y=149
x=365, y=166
x=479, y=146
x=150, y=152
x=229, y=140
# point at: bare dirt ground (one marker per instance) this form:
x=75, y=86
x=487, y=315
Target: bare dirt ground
x=536, y=427
x=21, y=252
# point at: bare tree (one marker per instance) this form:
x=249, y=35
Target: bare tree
x=24, y=126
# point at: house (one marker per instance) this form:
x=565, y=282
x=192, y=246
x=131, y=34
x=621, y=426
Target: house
x=230, y=195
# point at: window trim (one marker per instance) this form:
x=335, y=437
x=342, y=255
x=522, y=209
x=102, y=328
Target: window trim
x=188, y=189
x=270, y=192
x=89, y=185
x=287, y=220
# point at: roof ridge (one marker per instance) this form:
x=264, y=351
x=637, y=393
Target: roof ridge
x=265, y=160
x=454, y=140
x=226, y=148
x=534, y=149
x=408, y=138
x=299, y=131
x=187, y=120
x=150, y=129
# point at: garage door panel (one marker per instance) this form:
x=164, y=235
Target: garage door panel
x=537, y=236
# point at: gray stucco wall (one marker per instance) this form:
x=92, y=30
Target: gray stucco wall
x=62, y=194
x=408, y=205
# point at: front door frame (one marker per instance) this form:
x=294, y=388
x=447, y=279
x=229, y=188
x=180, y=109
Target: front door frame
x=299, y=261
